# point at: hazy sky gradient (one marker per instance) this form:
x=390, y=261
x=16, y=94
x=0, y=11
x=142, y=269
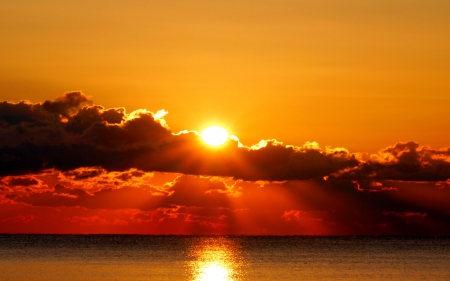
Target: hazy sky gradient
x=356, y=74
x=357, y=91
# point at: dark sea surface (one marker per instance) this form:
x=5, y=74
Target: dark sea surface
x=220, y=258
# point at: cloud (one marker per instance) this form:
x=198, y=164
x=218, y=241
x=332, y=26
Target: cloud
x=109, y=170
x=66, y=105
x=84, y=173
x=199, y=205
x=21, y=218
x=184, y=191
x=72, y=133
x=106, y=198
x=21, y=181
x=407, y=161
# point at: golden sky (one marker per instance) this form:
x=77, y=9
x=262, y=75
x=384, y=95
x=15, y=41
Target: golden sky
x=356, y=74
x=351, y=101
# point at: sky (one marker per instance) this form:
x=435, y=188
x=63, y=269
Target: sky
x=338, y=111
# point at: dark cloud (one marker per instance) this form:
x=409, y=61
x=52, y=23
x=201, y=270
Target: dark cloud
x=84, y=173
x=22, y=181
x=406, y=161
x=67, y=104
x=71, y=133
x=86, y=116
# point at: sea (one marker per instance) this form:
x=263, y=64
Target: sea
x=221, y=258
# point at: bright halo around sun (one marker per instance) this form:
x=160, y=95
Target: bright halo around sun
x=214, y=135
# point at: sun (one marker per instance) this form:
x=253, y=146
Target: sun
x=214, y=135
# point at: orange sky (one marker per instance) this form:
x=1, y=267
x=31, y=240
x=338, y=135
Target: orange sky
x=71, y=166
x=358, y=90
x=356, y=74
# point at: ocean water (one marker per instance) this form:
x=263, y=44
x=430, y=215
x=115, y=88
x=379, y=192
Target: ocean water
x=221, y=258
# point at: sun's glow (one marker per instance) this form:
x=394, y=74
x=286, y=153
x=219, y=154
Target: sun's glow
x=214, y=135
x=215, y=259
x=214, y=272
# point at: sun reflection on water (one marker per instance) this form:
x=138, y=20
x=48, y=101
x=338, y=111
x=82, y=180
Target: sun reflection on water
x=215, y=259
x=212, y=272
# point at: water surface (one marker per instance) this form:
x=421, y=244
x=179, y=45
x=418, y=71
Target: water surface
x=221, y=258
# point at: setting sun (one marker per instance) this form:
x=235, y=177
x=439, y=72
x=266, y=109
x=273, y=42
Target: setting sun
x=214, y=135
x=224, y=140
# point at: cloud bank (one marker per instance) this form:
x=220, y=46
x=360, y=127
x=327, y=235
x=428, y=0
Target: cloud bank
x=71, y=166
x=71, y=132
x=137, y=202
